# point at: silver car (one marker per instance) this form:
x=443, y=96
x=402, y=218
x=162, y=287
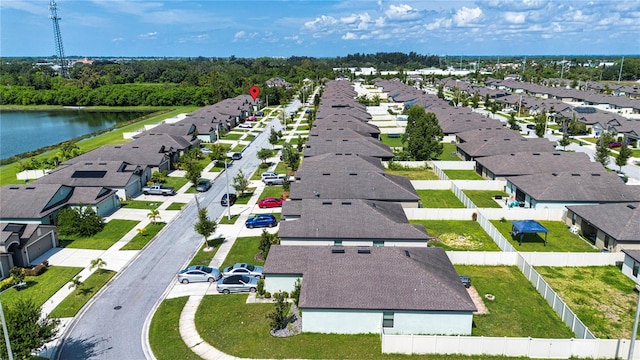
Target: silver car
x=243, y=269
x=236, y=284
x=198, y=273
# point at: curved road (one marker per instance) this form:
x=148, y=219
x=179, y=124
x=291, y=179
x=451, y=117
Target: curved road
x=112, y=325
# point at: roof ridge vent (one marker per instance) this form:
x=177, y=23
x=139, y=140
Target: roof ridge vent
x=406, y=253
x=337, y=251
x=632, y=207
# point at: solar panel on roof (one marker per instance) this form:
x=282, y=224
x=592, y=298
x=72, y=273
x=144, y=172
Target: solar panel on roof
x=89, y=174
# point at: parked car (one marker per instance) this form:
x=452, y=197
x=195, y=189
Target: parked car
x=466, y=281
x=274, y=180
x=237, y=283
x=245, y=126
x=236, y=156
x=261, y=220
x=260, y=113
x=158, y=189
x=206, y=150
x=308, y=111
x=268, y=174
x=270, y=202
x=231, y=199
x=243, y=269
x=251, y=118
x=199, y=273
x=203, y=185
x=615, y=144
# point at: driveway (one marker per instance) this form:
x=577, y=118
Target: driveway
x=112, y=325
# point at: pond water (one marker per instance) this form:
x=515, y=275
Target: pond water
x=24, y=131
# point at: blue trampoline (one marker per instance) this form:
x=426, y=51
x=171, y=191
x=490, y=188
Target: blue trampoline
x=522, y=227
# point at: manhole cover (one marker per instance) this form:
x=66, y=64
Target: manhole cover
x=117, y=307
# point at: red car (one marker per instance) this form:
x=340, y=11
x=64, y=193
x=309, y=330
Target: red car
x=251, y=118
x=270, y=203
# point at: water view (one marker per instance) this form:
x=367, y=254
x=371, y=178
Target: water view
x=23, y=131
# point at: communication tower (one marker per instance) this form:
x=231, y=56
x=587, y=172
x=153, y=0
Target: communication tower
x=58, y=38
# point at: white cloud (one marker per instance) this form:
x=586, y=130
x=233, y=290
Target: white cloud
x=465, y=15
x=402, y=12
x=118, y=39
x=320, y=22
x=243, y=36
x=515, y=17
x=149, y=35
x=438, y=24
x=360, y=21
x=349, y=36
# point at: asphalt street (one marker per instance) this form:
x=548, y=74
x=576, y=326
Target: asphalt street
x=113, y=325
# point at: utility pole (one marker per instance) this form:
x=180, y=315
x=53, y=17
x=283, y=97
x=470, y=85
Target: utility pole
x=620, y=73
x=226, y=172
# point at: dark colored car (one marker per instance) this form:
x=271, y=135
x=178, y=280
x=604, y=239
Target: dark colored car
x=466, y=281
x=261, y=220
x=203, y=185
x=236, y=156
x=260, y=113
x=231, y=197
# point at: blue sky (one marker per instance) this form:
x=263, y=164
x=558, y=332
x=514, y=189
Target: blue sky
x=218, y=28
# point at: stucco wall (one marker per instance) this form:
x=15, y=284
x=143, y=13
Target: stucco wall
x=274, y=283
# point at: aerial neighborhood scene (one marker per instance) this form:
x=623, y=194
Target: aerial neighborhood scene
x=319, y=180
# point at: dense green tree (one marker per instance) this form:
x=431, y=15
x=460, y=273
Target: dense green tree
x=27, y=329
x=240, y=182
x=266, y=240
x=603, y=151
x=263, y=154
x=291, y=156
x=540, y=124
x=623, y=155
x=205, y=226
x=423, y=134
x=564, y=141
x=278, y=317
x=513, y=123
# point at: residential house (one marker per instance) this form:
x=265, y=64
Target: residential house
x=499, y=167
x=472, y=150
x=157, y=157
x=631, y=264
x=21, y=244
x=611, y=227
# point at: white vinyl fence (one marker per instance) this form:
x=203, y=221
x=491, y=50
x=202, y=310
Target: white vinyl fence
x=438, y=214
x=518, y=213
x=462, y=196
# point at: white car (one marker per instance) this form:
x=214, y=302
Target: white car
x=245, y=126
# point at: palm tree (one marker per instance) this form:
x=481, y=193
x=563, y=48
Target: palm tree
x=75, y=282
x=154, y=215
x=97, y=263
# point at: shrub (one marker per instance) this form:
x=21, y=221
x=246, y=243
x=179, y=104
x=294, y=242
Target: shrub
x=278, y=318
x=503, y=220
x=285, y=294
x=36, y=270
x=6, y=283
x=17, y=273
x=267, y=295
x=474, y=216
x=295, y=294
x=260, y=287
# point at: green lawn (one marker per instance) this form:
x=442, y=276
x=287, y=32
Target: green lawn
x=203, y=257
x=449, y=152
x=175, y=182
x=601, y=296
x=245, y=197
x=439, y=199
x=233, y=136
x=517, y=311
x=463, y=175
x=414, y=174
x=448, y=232
x=8, y=172
x=176, y=206
x=559, y=238
x=244, y=250
x=271, y=191
x=485, y=198
x=392, y=141
x=141, y=239
x=40, y=288
x=238, y=148
x=110, y=234
x=244, y=321
x=140, y=204
x=70, y=306
x=164, y=333
x=282, y=168
x=224, y=219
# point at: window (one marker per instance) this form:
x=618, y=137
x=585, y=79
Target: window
x=378, y=243
x=387, y=319
x=573, y=218
x=636, y=266
x=606, y=241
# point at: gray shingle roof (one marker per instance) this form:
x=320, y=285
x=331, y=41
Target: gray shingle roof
x=604, y=187
x=525, y=163
x=361, y=146
x=29, y=201
x=355, y=185
x=132, y=153
x=620, y=221
x=92, y=173
x=495, y=146
x=335, y=219
x=383, y=279
x=334, y=163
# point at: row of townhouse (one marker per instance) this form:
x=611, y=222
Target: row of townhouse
x=101, y=178
x=363, y=267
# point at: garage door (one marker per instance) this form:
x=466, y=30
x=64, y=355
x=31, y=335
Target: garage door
x=39, y=247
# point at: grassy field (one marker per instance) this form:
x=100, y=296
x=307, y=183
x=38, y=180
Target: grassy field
x=140, y=204
x=439, y=199
x=272, y=191
x=449, y=152
x=110, y=234
x=70, y=306
x=142, y=238
x=602, y=297
x=392, y=141
x=8, y=172
x=244, y=250
x=40, y=288
x=462, y=175
x=517, y=311
x=231, y=136
x=164, y=333
x=448, y=232
x=484, y=198
x=559, y=238
x=414, y=174
x=176, y=182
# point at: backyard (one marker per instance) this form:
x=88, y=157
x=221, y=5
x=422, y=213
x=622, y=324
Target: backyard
x=559, y=238
x=439, y=199
x=462, y=175
x=485, y=198
x=601, y=296
x=419, y=173
x=458, y=235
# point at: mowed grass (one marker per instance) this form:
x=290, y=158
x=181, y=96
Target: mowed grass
x=439, y=199
x=176, y=182
x=462, y=175
x=244, y=250
x=140, y=204
x=601, y=296
x=176, y=206
x=272, y=191
x=203, y=257
x=559, y=238
x=141, y=239
x=164, y=332
x=478, y=239
x=485, y=198
x=40, y=288
x=449, y=153
x=517, y=311
x=392, y=141
x=70, y=306
x=414, y=173
x=242, y=321
x=110, y=234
